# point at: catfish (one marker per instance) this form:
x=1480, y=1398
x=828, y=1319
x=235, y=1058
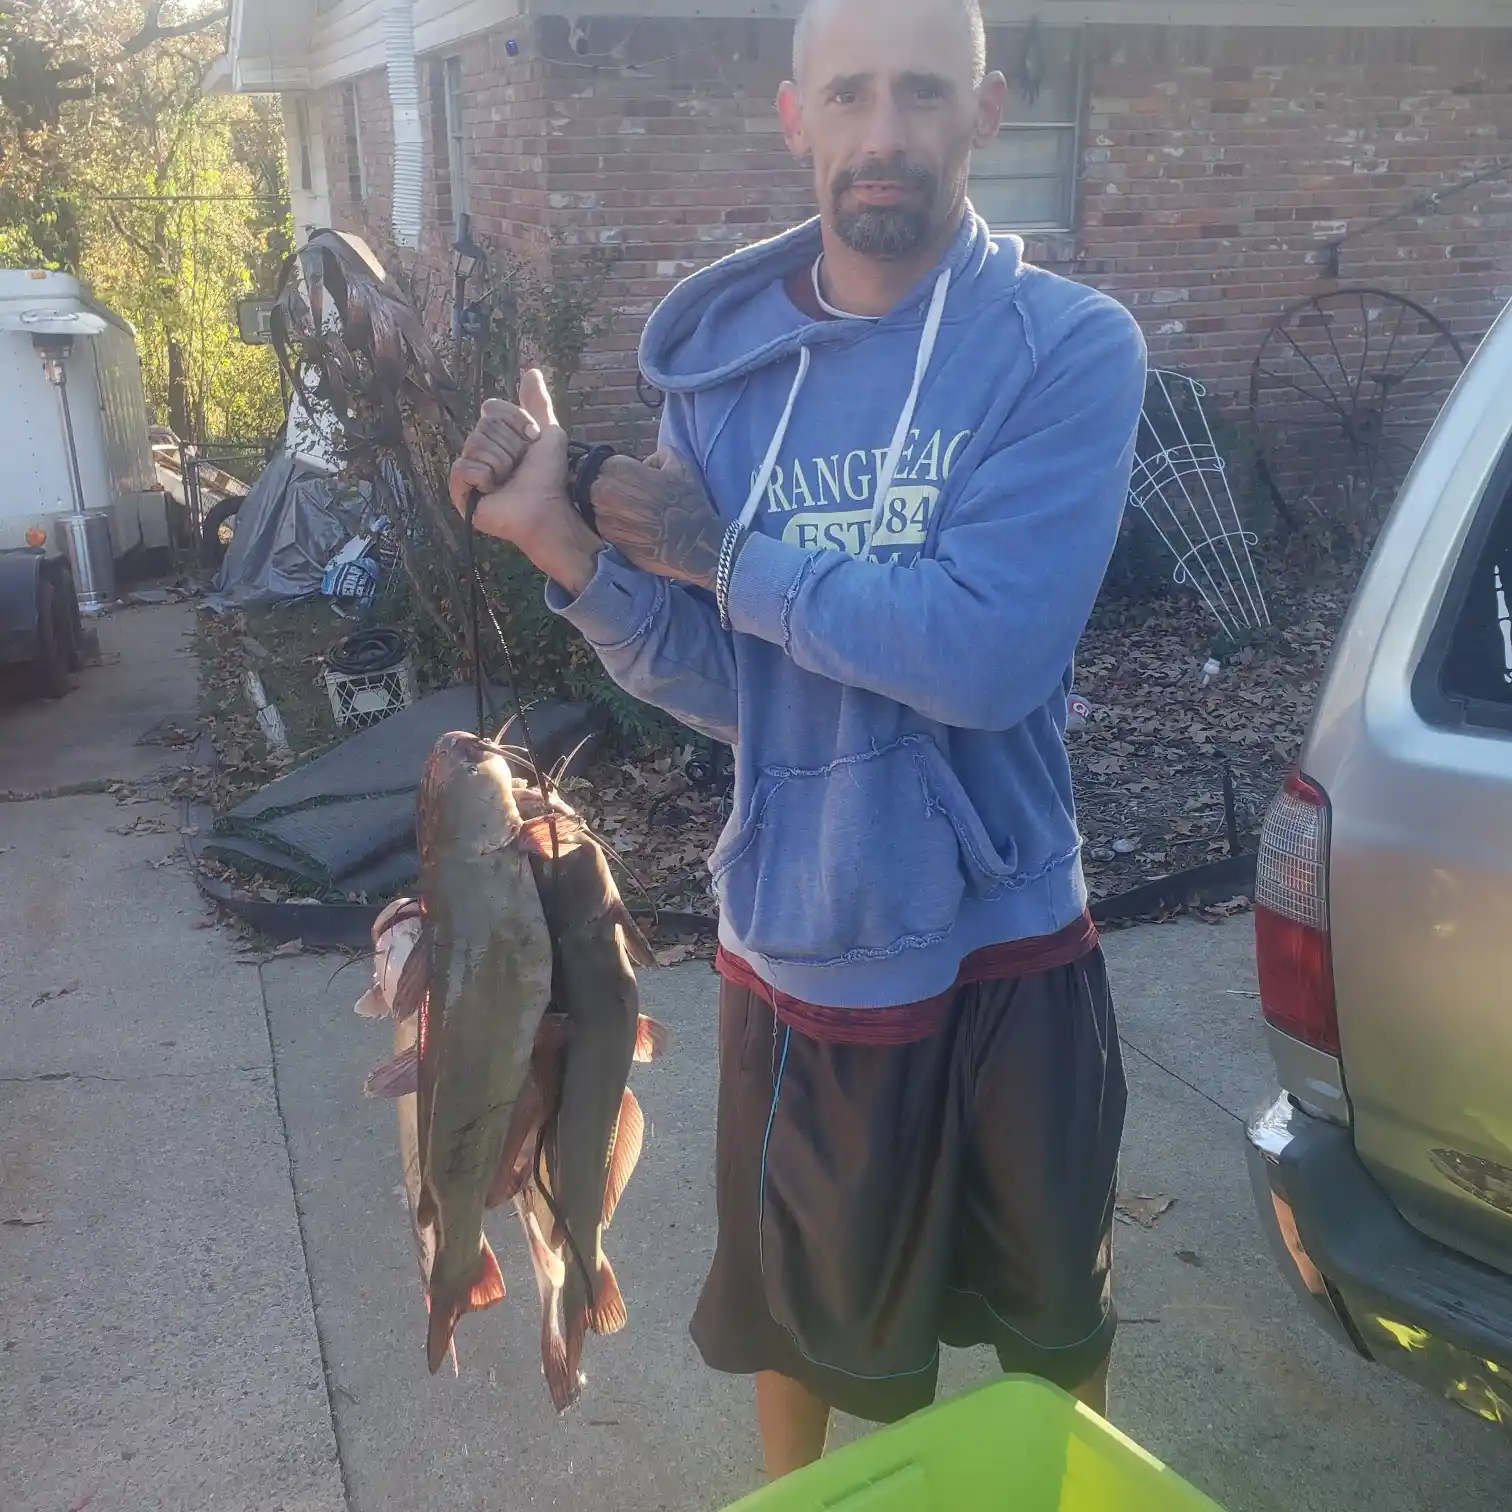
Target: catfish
x=479, y=982
x=592, y=1127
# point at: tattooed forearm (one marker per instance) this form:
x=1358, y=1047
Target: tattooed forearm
x=660, y=520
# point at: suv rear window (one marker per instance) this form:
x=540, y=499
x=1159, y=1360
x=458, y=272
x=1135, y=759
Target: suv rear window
x=1466, y=675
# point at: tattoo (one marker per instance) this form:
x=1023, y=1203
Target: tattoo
x=662, y=523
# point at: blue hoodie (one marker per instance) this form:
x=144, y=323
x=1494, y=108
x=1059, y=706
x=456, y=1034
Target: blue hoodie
x=895, y=686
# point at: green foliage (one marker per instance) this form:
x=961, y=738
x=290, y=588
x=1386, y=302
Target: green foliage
x=169, y=203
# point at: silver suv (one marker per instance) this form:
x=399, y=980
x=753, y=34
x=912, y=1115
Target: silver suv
x=1383, y=1170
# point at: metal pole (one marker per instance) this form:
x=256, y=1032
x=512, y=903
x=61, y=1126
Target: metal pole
x=54, y=365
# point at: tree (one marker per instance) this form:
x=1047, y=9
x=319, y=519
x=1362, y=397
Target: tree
x=171, y=203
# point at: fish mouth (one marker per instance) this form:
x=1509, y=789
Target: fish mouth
x=460, y=751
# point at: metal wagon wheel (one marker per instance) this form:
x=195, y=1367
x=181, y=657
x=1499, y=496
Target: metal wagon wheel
x=1342, y=394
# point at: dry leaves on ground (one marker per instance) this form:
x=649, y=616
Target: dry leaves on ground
x=1145, y=1211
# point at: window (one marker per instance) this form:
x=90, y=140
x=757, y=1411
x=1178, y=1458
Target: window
x=1026, y=179
x=356, y=168
x=456, y=159
x=1465, y=677
x=304, y=166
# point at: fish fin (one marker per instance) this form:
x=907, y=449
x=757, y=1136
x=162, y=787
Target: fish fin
x=561, y=1377
x=550, y=834
x=371, y=1005
x=489, y=1287
x=636, y=944
x=651, y=1040
x=629, y=1135
x=415, y=979
x=486, y=1290
x=514, y=1164
x=396, y=913
x=396, y=1078
x=609, y=1314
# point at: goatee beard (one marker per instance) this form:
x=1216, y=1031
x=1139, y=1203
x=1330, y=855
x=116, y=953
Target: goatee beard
x=886, y=231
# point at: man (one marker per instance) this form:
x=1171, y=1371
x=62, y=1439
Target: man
x=892, y=469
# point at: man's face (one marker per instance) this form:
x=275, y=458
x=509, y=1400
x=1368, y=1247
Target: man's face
x=889, y=109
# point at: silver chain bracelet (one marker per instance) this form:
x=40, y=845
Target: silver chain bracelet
x=729, y=549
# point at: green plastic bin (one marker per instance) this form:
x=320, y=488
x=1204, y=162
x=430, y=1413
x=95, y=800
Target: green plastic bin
x=1018, y=1445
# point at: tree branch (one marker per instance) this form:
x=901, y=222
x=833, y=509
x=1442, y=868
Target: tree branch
x=153, y=30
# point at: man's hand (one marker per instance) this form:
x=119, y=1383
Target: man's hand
x=517, y=459
x=659, y=517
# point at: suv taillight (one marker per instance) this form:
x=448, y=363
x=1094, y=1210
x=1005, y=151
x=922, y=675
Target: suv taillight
x=1292, y=947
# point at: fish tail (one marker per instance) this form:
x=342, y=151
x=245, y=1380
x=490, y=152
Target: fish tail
x=487, y=1289
x=608, y=1314
x=451, y=1351
x=558, y=1361
x=577, y=1331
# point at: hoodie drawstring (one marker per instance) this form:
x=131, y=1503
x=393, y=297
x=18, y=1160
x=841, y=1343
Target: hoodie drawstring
x=905, y=421
x=769, y=466
x=889, y=471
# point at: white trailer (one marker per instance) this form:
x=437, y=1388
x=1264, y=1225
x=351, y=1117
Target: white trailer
x=107, y=464
x=79, y=494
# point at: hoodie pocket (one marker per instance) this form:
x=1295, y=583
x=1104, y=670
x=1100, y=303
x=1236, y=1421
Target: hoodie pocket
x=856, y=861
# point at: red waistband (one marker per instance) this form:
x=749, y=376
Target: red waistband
x=911, y=1022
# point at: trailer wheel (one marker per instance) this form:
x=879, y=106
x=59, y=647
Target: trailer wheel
x=69, y=621
x=220, y=526
x=50, y=669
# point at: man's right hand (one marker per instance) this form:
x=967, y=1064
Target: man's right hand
x=516, y=459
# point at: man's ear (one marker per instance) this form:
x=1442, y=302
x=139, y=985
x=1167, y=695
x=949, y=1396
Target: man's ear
x=790, y=113
x=992, y=100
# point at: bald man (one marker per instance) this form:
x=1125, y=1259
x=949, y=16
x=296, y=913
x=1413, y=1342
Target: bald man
x=893, y=463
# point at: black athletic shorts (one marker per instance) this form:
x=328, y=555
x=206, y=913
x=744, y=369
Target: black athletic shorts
x=877, y=1201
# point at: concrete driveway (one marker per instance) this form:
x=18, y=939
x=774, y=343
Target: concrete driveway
x=221, y=1308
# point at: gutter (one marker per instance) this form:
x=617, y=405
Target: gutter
x=404, y=97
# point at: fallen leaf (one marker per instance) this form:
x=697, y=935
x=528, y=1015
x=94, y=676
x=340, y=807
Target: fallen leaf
x=1189, y=1257
x=674, y=955
x=55, y=992
x=290, y=948
x=143, y=824
x=25, y=1219
x=1145, y=1211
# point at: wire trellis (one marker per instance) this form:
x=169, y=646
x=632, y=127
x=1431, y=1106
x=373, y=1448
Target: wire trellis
x=1180, y=484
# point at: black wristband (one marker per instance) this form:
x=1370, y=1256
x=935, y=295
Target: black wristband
x=583, y=479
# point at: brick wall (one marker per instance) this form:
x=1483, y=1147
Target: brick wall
x=672, y=156
x=1216, y=164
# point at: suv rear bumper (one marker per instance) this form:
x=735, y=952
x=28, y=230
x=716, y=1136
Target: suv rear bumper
x=1368, y=1276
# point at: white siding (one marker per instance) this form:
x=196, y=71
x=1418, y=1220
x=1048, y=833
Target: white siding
x=1128, y=12
x=348, y=40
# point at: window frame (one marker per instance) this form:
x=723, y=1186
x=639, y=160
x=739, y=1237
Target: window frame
x=454, y=122
x=305, y=144
x=357, y=176
x=1437, y=706
x=1071, y=182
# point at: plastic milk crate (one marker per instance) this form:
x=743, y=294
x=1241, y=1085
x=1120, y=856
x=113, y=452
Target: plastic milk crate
x=1016, y=1446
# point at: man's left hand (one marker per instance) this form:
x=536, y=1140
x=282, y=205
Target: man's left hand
x=659, y=517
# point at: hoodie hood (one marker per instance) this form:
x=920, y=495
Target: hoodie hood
x=708, y=331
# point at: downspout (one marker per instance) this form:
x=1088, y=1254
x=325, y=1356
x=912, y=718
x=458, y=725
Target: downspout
x=404, y=96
